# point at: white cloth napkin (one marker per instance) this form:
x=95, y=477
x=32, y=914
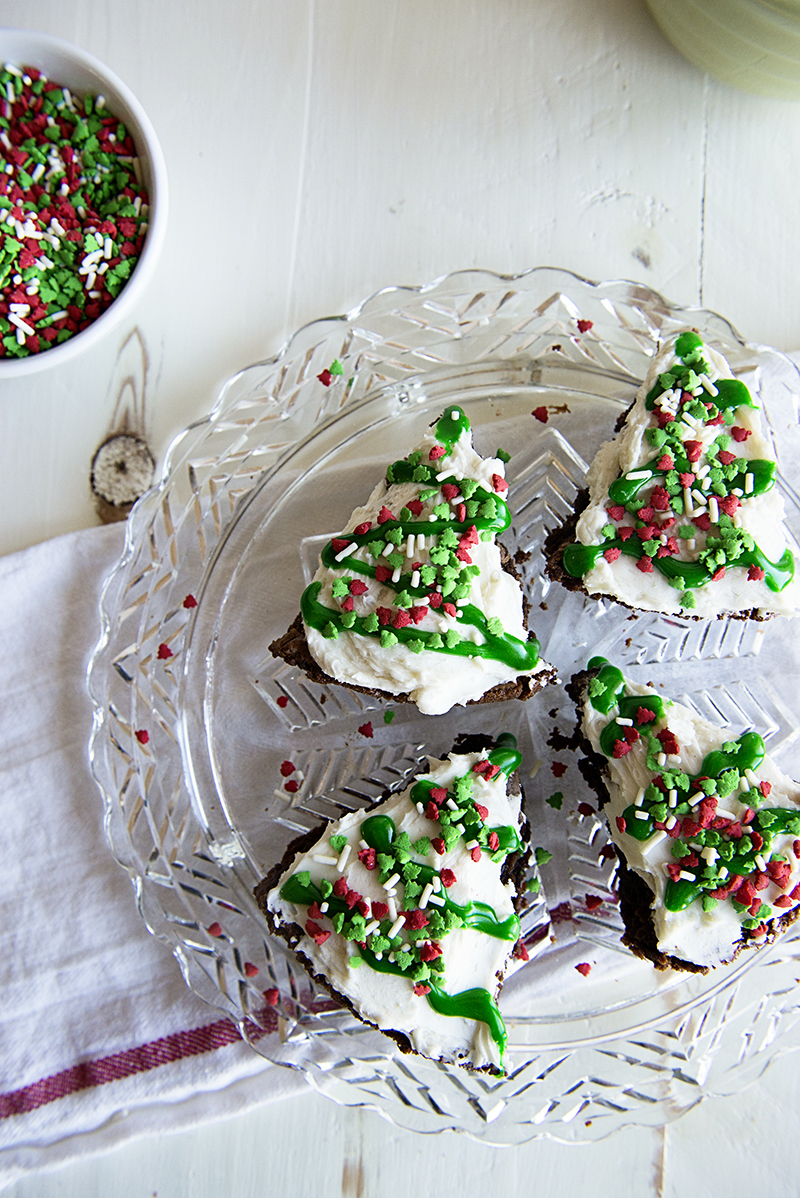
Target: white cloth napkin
x=95, y=1018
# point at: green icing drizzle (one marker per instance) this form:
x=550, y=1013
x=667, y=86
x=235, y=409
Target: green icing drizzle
x=520, y=655
x=731, y=547
x=380, y=833
x=450, y=425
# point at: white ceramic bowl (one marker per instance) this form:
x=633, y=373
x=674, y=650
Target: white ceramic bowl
x=82, y=73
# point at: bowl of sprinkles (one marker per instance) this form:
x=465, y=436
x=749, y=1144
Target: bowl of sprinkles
x=83, y=201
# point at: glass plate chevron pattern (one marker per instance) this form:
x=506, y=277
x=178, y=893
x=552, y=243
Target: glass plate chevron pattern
x=193, y=717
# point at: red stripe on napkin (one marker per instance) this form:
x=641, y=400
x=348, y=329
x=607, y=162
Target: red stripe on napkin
x=124, y=1064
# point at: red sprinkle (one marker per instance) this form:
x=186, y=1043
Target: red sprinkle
x=360, y=529
x=584, y=968
x=755, y=574
x=703, y=522
x=520, y=951
x=287, y=768
x=437, y=452
x=741, y=434
x=644, y=564
x=625, y=532
x=438, y=846
x=291, y=786
x=416, y=920
x=693, y=450
x=558, y=768
x=339, y=543
x=357, y=587
x=540, y=414
x=494, y=842
x=665, y=463
x=164, y=652
x=316, y=933
x=382, y=573
x=482, y=811
x=476, y=853
x=348, y=603
x=401, y=618
x=367, y=729
x=765, y=787
x=593, y=901
x=659, y=499
x=449, y=609
x=644, y=716
x=314, y=911
x=585, y=809
x=796, y=849
x=612, y=554
x=499, y=483
x=669, y=742
x=384, y=615
x=271, y=996
x=718, y=575
x=142, y=735
x=340, y=887
x=430, y=951
x=584, y=326
x=415, y=507
x=214, y=930
x=379, y=910
x=420, y=989
x=367, y=857
x=438, y=794
x=726, y=457
x=621, y=749
x=448, y=878
x=418, y=614
x=450, y=490
x=384, y=514
x=190, y=601
x=325, y=377
x=616, y=511
x=646, y=514
x=283, y=701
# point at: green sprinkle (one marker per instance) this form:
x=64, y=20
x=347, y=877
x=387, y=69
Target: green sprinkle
x=338, y=843
x=542, y=856
x=387, y=639
x=556, y=800
x=388, y=716
x=331, y=631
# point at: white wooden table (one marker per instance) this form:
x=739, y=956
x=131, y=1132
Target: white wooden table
x=321, y=150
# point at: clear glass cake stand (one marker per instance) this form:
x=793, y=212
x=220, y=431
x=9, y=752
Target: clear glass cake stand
x=193, y=716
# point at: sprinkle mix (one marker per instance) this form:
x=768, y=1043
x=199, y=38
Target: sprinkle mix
x=679, y=512
x=721, y=824
x=73, y=211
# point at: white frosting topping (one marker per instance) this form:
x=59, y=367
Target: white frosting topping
x=436, y=681
x=761, y=516
x=706, y=938
x=472, y=958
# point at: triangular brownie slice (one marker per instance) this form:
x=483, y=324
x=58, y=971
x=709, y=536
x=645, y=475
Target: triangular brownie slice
x=682, y=513
x=407, y=912
x=416, y=599
x=706, y=826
